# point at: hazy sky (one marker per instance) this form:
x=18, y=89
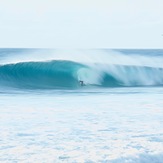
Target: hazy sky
x=81, y=23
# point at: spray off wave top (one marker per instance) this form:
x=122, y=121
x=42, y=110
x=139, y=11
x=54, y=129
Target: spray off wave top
x=94, y=68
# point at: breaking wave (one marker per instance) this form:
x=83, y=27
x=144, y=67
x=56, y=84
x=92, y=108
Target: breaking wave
x=67, y=74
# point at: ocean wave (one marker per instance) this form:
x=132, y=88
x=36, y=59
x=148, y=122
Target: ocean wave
x=52, y=74
x=68, y=74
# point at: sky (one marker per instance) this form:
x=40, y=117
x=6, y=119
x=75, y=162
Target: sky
x=81, y=23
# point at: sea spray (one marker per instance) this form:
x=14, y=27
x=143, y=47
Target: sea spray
x=47, y=68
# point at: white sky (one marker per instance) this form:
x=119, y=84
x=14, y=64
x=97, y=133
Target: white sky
x=81, y=23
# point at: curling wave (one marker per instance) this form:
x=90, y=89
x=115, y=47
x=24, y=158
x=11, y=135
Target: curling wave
x=51, y=74
x=67, y=74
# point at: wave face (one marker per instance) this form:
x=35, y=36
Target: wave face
x=53, y=74
x=67, y=73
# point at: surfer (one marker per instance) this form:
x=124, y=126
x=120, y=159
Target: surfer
x=81, y=82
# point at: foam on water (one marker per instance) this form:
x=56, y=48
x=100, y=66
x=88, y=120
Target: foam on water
x=111, y=125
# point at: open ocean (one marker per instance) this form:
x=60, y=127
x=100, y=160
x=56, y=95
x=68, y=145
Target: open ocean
x=47, y=116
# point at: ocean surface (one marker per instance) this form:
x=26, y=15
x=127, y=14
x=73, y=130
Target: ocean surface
x=81, y=106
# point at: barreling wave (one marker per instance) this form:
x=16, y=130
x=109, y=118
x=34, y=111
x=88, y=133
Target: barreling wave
x=52, y=74
x=67, y=74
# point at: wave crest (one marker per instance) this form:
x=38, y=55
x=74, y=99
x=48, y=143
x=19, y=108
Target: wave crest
x=67, y=74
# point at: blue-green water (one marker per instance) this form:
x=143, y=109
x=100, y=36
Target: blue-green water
x=47, y=116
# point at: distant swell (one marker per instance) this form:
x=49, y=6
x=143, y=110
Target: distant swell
x=67, y=74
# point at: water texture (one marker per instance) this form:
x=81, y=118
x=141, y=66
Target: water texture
x=46, y=115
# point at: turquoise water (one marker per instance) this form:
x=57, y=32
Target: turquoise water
x=47, y=116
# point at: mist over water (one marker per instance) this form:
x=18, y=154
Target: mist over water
x=150, y=58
